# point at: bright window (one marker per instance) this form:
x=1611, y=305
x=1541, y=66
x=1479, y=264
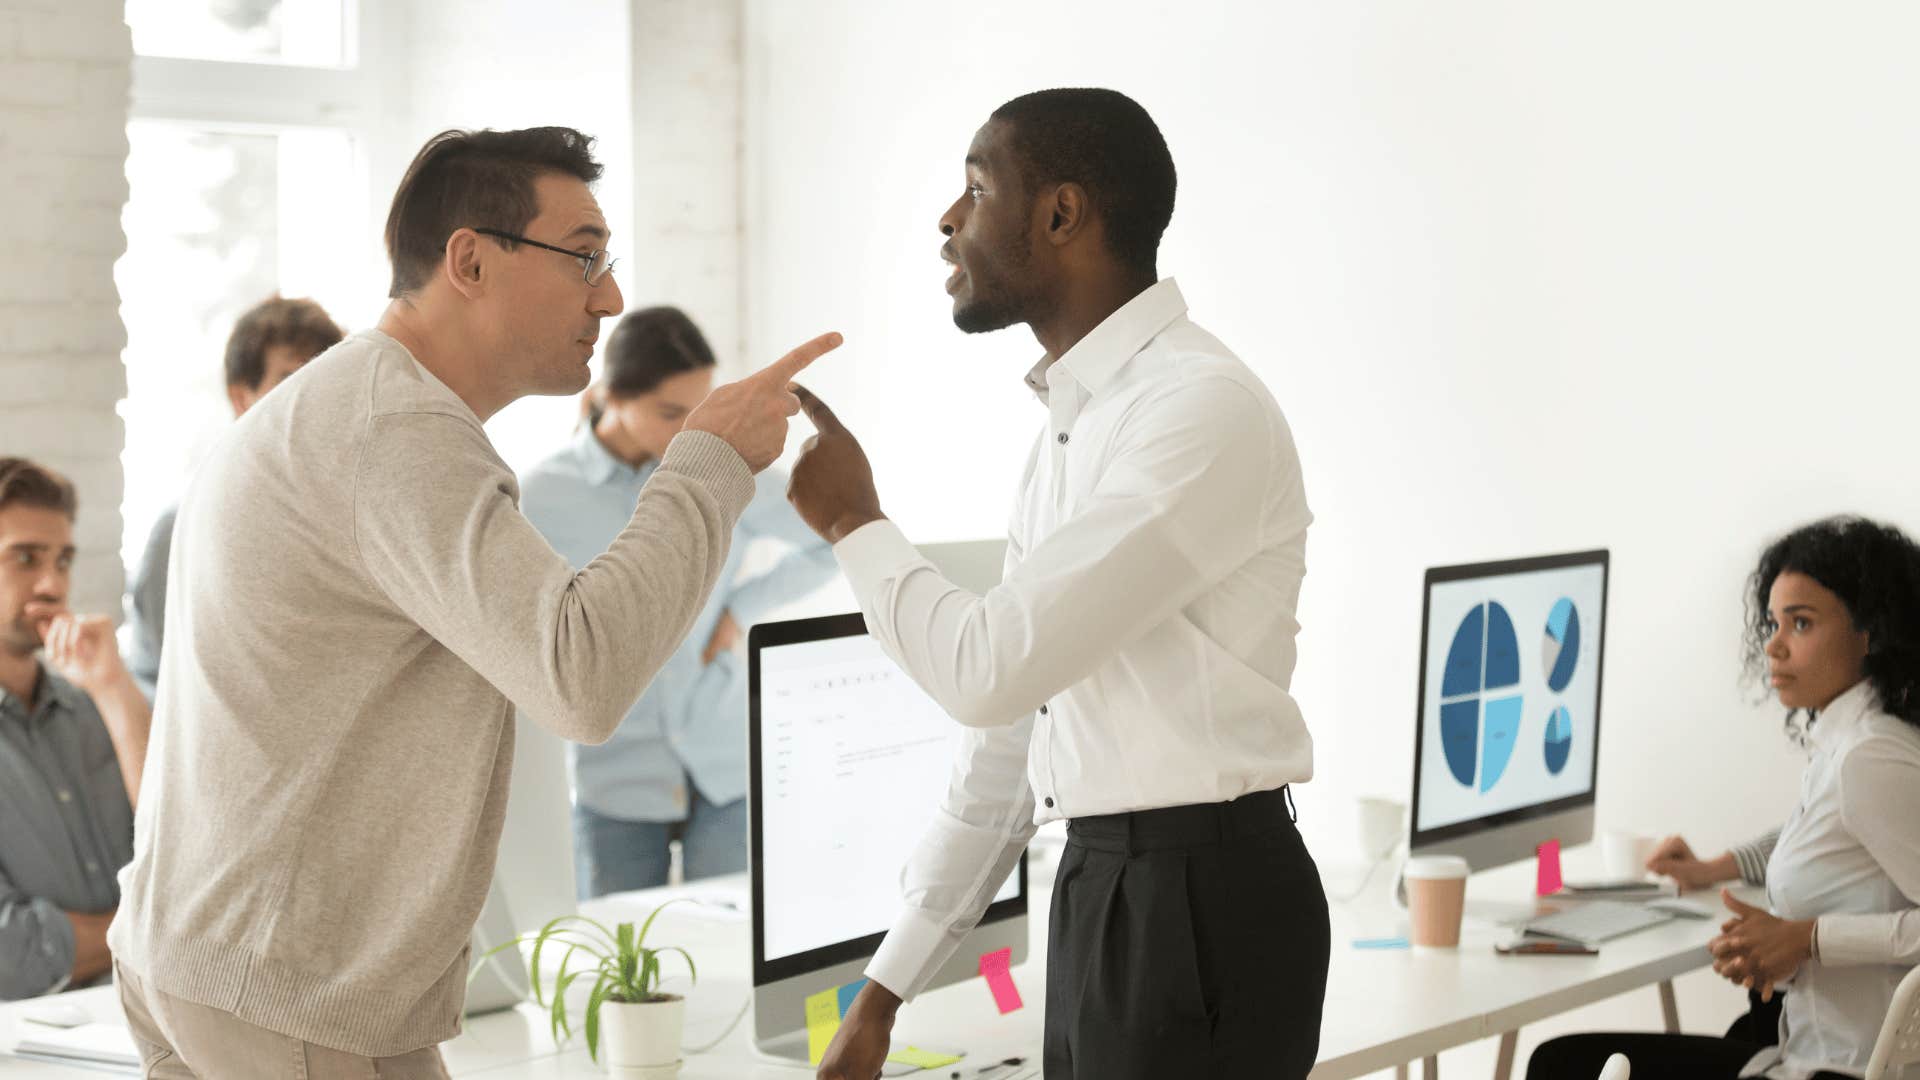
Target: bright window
x=247, y=175
x=313, y=33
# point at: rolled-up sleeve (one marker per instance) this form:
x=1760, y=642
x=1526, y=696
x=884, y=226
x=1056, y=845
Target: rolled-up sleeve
x=36, y=943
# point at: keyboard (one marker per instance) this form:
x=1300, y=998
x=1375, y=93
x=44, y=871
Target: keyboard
x=1594, y=921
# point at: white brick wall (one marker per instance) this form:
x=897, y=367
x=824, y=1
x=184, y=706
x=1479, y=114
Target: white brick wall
x=65, y=72
x=686, y=249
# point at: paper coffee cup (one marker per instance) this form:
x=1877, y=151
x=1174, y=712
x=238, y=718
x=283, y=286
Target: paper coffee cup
x=1625, y=854
x=1436, y=898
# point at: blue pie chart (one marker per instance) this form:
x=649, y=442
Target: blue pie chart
x=1559, y=739
x=1480, y=697
x=1560, y=650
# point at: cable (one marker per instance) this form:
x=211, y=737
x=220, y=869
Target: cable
x=728, y=1030
x=1373, y=867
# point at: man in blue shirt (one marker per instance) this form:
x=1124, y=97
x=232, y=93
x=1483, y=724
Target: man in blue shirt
x=676, y=768
x=72, y=749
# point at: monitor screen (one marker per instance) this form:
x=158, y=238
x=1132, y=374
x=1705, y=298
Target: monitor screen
x=1509, y=691
x=850, y=761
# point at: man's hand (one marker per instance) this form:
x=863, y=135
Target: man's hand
x=751, y=415
x=859, y=1048
x=1758, y=950
x=1674, y=859
x=83, y=650
x=832, y=483
x=726, y=634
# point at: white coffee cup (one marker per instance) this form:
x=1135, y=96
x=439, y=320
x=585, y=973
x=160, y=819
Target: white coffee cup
x=1436, y=899
x=1625, y=854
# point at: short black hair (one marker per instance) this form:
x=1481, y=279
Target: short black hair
x=474, y=180
x=1105, y=142
x=1875, y=571
x=651, y=345
x=29, y=483
x=301, y=323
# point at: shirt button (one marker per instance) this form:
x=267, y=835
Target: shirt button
x=1043, y=710
x=1049, y=802
x=65, y=795
x=92, y=866
x=1062, y=437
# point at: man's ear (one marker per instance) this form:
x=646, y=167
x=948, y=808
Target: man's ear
x=241, y=397
x=462, y=263
x=1067, y=213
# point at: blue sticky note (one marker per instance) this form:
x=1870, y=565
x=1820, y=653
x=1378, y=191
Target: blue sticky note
x=1382, y=943
x=846, y=995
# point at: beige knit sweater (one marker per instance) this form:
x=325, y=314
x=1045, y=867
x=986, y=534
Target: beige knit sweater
x=355, y=606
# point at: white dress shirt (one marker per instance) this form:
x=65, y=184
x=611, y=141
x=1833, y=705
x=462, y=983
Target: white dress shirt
x=1849, y=858
x=1139, y=650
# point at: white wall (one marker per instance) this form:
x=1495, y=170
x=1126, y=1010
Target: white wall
x=63, y=145
x=1526, y=278
x=485, y=63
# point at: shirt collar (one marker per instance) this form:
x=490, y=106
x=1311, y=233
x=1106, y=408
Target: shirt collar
x=52, y=690
x=597, y=463
x=1844, y=713
x=1095, y=359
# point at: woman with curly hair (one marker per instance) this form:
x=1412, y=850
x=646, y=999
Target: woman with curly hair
x=1833, y=622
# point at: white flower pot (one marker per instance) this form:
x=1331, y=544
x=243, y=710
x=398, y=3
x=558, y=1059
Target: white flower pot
x=643, y=1036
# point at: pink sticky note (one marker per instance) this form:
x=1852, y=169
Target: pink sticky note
x=996, y=967
x=1549, y=866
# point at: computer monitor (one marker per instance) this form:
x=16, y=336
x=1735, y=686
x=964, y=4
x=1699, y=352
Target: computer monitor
x=1507, y=733
x=848, y=760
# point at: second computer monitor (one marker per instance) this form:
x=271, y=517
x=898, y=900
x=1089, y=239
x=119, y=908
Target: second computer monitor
x=1507, y=731
x=848, y=760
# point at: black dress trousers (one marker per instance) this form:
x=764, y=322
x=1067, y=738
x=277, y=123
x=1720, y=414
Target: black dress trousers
x=1186, y=943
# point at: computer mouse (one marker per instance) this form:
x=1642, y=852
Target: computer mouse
x=56, y=1013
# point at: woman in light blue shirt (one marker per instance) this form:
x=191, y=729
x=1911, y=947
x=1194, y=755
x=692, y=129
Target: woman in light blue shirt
x=677, y=766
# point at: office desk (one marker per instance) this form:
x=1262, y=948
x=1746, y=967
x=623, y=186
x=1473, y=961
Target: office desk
x=1385, y=1009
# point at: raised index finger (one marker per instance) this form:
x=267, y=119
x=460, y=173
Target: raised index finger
x=784, y=369
x=817, y=411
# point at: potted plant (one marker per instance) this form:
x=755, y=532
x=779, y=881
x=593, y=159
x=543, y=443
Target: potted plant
x=640, y=1025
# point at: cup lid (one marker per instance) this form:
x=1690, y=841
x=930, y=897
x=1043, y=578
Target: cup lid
x=1437, y=868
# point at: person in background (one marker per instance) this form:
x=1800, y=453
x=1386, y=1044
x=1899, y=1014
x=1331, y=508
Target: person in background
x=73, y=743
x=1833, y=619
x=676, y=767
x=270, y=342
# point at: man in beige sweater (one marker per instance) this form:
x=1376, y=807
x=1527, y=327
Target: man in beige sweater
x=356, y=604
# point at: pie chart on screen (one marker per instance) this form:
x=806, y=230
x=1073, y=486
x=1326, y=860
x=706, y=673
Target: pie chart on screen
x=1559, y=739
x=1560, y=649
x=1480, y=697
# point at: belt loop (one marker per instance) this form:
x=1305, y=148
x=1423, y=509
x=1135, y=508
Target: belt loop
x=1293, y=812
x=1132, y=820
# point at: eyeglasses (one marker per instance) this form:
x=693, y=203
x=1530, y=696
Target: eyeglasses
x=597, y=262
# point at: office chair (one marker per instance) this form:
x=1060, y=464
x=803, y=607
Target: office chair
x=1899, y=1041
x=1616, y=1068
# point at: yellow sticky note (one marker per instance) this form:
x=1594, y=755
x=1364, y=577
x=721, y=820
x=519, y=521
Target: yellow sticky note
x=921, y=1059
x=823, y=1021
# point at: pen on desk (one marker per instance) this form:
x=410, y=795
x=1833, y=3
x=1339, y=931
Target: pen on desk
x=1005, y=1063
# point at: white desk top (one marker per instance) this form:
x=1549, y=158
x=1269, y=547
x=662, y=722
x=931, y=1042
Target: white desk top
x=1383, y=1007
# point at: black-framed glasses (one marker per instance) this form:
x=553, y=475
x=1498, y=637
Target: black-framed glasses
x=597, y=262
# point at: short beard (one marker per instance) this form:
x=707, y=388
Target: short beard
x=21, y=639
x=998, y=308
x=985, y=316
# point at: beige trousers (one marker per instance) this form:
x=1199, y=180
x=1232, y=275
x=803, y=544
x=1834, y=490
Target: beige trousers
x=180, y=1040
